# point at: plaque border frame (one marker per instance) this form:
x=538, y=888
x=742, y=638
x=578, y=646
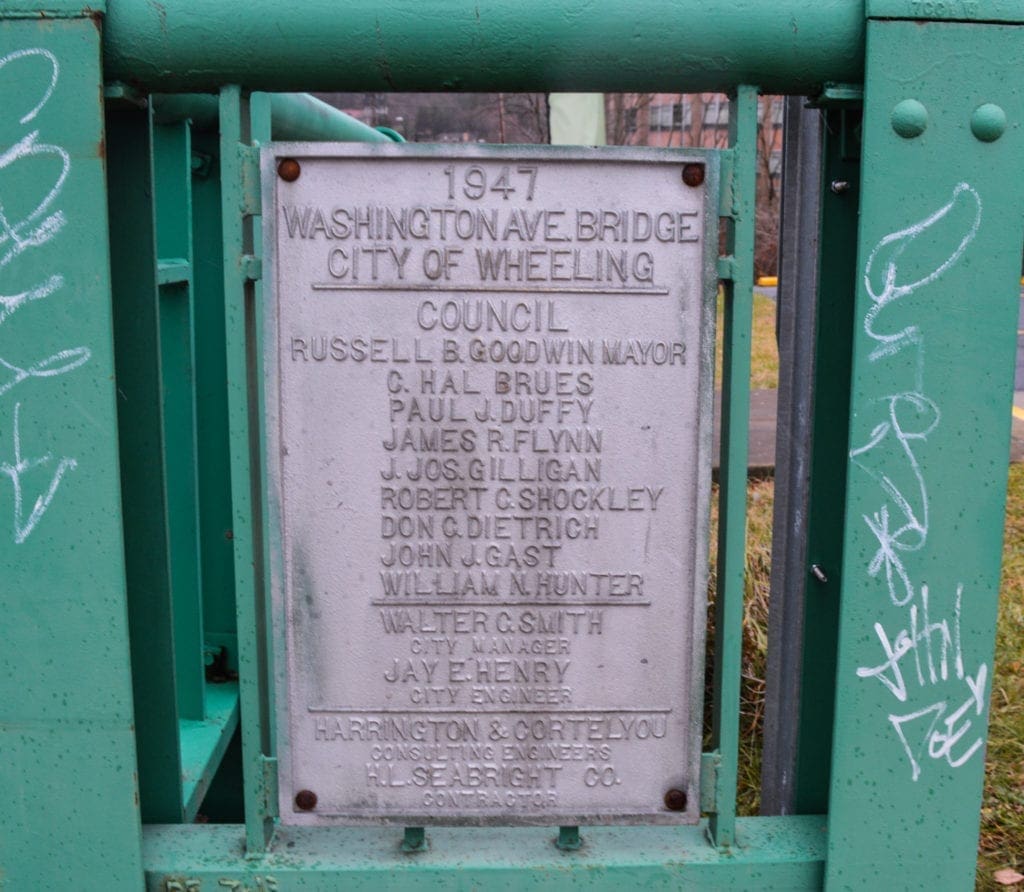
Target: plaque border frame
x=269, y=396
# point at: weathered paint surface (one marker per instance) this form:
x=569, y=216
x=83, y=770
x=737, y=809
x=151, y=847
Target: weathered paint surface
x=67, y=749
x=934, y=346
x=782, y=854
x=462, y=45
x=938, y=261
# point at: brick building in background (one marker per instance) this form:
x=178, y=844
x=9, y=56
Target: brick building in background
x=632, y=119
x=702, y=119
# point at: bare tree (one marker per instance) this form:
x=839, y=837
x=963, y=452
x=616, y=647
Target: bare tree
x=626, y=118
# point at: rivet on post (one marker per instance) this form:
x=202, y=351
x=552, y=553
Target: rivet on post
x=988, y=122
x=288, y=170
x=909, y=118
x=839, y=186
x=818, y=573
x=693, y=174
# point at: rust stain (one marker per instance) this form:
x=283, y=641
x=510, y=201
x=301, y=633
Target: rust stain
x=101, y=149
x=161, y=12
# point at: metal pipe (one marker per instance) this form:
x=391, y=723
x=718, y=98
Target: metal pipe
x=783, y=46
x=301, y=116
x=294, y=116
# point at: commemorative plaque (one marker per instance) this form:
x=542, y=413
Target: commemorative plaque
x=488, y=399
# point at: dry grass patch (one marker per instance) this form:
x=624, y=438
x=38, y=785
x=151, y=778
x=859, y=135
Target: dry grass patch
x=1002, y=810
x=764, y=352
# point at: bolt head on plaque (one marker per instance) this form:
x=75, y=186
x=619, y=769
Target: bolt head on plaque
x=675, y=800
x=305, y=800
x=693, y=174
x=289, y=170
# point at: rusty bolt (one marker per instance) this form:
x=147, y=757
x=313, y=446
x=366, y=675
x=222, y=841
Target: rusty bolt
x=305, y=800
x=289, y=170
x=675, y=800
x=693, y=174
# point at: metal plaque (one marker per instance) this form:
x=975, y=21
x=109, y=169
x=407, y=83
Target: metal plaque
x=488, y=400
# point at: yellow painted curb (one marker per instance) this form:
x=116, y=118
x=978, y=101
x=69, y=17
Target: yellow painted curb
x=773, y=282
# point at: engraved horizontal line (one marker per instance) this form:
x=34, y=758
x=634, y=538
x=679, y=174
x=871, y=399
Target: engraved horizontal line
x=510, y=603
x=487, y=289
x=449, y=710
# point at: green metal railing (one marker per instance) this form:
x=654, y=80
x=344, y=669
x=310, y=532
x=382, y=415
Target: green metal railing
x=137, y=688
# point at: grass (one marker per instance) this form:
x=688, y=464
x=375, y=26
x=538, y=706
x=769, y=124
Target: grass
x=1002, y=814
x=760, y=501
x=1002, y=810
x=1001, y=843
x=764, y=354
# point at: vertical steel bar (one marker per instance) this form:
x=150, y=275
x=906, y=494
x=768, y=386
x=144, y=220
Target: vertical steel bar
x=215, y=511
x=172, y=169
x=934, y=347
x=67, y=739
x=834, y=318
x=261, y=112
x=795, y=303
x=733, y=462
x=248, y=556
x=143, y=473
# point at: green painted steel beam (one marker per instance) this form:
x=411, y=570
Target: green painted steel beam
x=835, y=323
x=777, y=854
x=789, y=46
x=67, y=743
x=136, y=315
x=732, y=526
x=204, y=742
x=294, y=116
x=934, y=347
x=239, y=240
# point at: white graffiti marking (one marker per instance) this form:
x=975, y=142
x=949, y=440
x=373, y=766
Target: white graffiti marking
x=926, y=653
x=14, y=471
x=42, y=224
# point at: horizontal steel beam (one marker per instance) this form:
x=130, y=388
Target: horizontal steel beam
x=294, y=116
x=783, y=46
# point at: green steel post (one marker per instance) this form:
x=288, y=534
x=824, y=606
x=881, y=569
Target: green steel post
x=67, y=744
x=414, y=841
x=172, y=167
x=787, y=46
x=215, y=517
x=732, y=522
x=830, y=435
x=934, y=347
x=237, y=215
x=262, y=109
x=569, y=839
x=143, y=474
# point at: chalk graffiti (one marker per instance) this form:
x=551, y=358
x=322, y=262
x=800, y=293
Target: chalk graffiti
x=925, y=656
x=22, y=526
x=20, y=232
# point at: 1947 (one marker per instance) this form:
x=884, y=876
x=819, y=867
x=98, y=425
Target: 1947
x=474, y=181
